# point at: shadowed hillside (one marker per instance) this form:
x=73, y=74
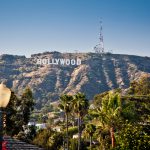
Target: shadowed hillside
x=96, y=73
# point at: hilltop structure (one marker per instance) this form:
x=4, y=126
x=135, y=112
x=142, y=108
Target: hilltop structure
x=99, y=48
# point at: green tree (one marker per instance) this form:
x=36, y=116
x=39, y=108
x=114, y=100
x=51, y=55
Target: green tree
x=65, y=105
x=55, y=141
x=42, y=138
x=14, y=121
x=141, y=86
x=90, y=130
x=80, y=107
x=48, y=139
x=109, y=113
x=97, y=101
x=28, y=134
x=132, y=137
x=18, y=112
x=27, y=104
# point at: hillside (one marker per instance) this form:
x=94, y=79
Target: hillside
x=96, y=73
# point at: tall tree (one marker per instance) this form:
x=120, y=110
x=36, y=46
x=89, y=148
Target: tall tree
x=18, y=112
x=14, y=121
x=139, y=94
x=80, y=107
x=109, y=113
x=65, y=105
x=140, y=87
x=90, y=130
x=27, y=104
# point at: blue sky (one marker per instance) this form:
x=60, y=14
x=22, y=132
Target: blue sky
x=33, y=26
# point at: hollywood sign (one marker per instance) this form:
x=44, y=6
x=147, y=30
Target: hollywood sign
x=58, y=61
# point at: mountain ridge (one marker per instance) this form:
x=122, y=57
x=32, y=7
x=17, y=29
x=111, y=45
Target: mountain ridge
x=97, y=73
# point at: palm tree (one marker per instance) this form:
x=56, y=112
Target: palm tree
x=80, y=107
x=109, y=113
x=90, y=130
x=65, y=105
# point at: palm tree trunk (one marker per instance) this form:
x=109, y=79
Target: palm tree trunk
x=112, y=137
x=79, y=133
x=90, y=142
x=67, y=132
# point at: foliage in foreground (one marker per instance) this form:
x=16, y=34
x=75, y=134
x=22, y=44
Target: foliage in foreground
x=132, y=137
x=48, y=139
x=18, y=112
x=113, y=122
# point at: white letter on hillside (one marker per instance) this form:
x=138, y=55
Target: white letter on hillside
x=44, y=61
x=78, y=61
x=39, y=61
x=62, y=61
x=57, y=61
x=67, y=61
x=73, y=62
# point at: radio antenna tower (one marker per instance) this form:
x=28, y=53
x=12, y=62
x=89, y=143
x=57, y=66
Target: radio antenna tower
x=99, y=48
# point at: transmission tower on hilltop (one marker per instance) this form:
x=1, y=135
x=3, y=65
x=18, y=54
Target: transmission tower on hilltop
x=99, y=48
